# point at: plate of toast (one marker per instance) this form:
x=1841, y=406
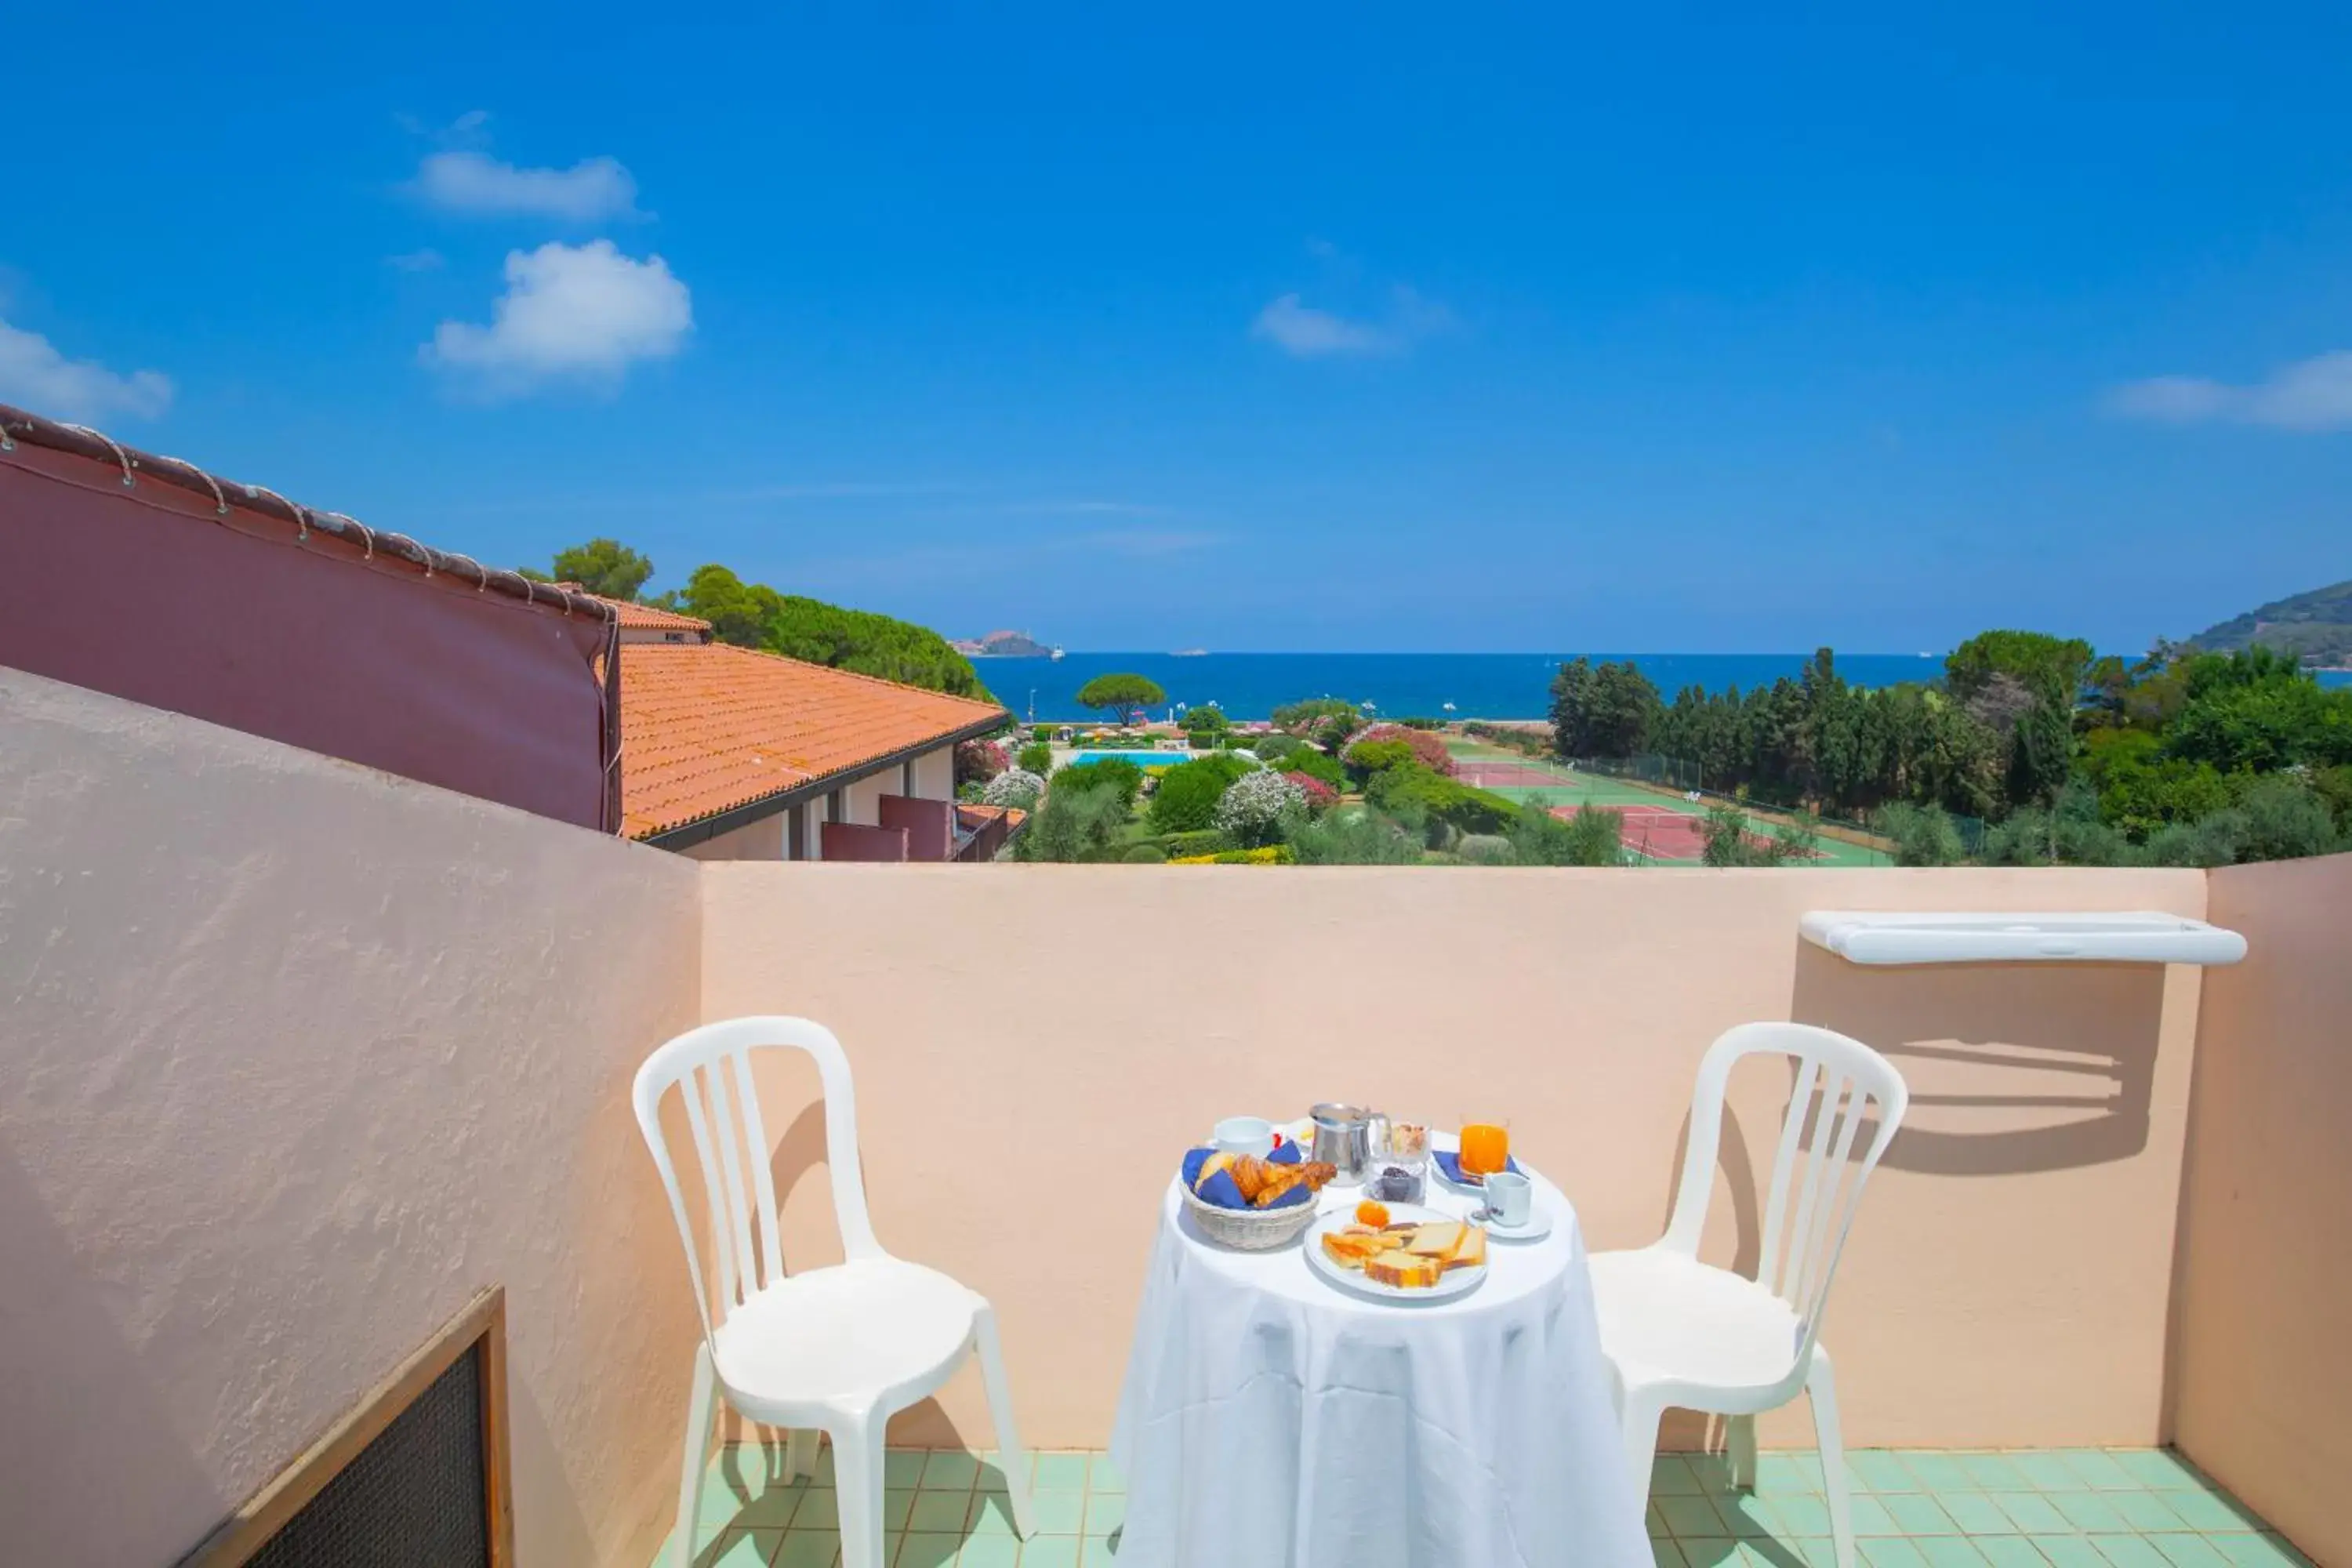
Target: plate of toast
x=1398, y=1252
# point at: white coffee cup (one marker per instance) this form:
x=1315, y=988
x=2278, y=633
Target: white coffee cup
x=1510, y=1198
x=1245, y=1135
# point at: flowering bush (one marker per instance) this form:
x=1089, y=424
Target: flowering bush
x=1015, y=787
x=1428, y=749
x=979, y=759
x=1256, y=807
x=1319, y=797
x=1265, y=855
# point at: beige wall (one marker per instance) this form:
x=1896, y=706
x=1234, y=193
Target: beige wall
x=861, y=801
x=935, y=775
x=2008, y=1283
x=761, y=840
x=295, y=1056
x=2262, y=1363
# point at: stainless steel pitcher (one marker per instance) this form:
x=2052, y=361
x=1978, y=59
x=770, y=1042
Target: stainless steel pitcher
x=1343, y=1138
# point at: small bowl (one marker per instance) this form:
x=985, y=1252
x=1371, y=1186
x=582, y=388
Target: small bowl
x=1245, y=1135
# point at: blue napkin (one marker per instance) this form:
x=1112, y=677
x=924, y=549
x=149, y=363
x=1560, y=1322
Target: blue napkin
x=1221, y=1191
x=1451, y=1163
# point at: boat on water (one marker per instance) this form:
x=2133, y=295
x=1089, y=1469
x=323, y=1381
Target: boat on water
x=1189, y=653
x=1057, y=653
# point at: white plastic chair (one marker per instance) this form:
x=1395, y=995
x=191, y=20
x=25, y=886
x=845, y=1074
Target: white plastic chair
x=1683, y=1334
x=836, y=1349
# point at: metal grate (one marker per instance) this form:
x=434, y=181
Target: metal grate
x=413, y=1499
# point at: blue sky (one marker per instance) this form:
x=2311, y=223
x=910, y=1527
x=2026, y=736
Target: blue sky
x=1363, y=327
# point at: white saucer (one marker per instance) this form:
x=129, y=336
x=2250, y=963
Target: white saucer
x=1538, y=1225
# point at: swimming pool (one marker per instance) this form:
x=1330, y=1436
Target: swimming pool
x=1140, y=759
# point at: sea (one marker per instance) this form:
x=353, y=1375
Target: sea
x=1249, y=686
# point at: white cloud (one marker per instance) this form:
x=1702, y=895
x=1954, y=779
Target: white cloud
x=1303, y=331
x=2314, y=394
x=427, y=260
x=33, y=373
x=464, y=180
x=580, y=313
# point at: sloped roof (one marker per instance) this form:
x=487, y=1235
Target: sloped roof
x=644, y=617
x=708, y=727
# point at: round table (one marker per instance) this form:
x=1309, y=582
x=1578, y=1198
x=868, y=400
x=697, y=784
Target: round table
x=1269, y=1417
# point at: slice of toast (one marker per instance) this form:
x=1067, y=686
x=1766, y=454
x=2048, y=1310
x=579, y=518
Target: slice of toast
x=1403, y=1270
x=1438, y=1238
x=1472, y=1253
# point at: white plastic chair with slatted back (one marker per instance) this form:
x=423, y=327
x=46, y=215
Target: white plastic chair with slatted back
x=1683, y=1335
x=835, y=1349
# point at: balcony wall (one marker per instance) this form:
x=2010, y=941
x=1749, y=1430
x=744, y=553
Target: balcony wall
x=2262, y=1361
x=1035, y=1044
x=294, y=1057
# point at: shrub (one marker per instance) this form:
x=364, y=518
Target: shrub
x=1259, y=808
x=1923, y=835
x=1422, y=723
x=1074, y=824
x=978, y=761
x=1207, y=841
x=1115, y=774
x=1413, y=791
x=1304, y=718
x=1427, y=748
x=1593, y=837
x=1207, y=719
x=1265, y=855
x=1367, y=760
x=1036, y=757
x=1319, y=797
x=1315, y=764
x=1485, y=849
x=1146, y=855
x=1015, y=787
x=1355, y=837
x=2285, y=820
x=1186, y=800
x=1276, y=746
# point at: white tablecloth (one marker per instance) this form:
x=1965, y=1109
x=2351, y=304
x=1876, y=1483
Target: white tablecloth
x=1269, y=1420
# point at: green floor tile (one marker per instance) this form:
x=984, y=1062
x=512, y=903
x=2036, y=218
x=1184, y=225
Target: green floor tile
x=1891, y=1552
x=1713, y=1470
x=1879, y=1471
x=2088, y=1511
x=897, y=1504
x=1941, y=1472
x=1870, y=1518
x=2031, y=1512
x=1995, y=1473
x=926, y=1548
x=1975, y=1513
x=1060, y=1514
x=2098, y=1469
x=1670, y=1476
x=742, y=1549
x=1102, y=1475
x=1100, y=1551
x=940, y=1513
x=1816, y=1550
x=1050, y=1551
x=1664, y=1553
x=1801, y=1515
x=809, y=1549
x=2044, y=1472
x=951, y=1469
x=2068, y=1551
x=2009, y=1551
x=2260, y=1552
x=1691, y=1517
x=2128, y=1551
x=1106, y=1511
x=2159, y=1469
x=2147, y=1512
x=2212, y=1511
x=1744, y=1515
x=1949, y=1552
x=1777, y=1474
x=996, y=1552
x=901, y=1467
x=1709, y=1551
x=1654, y=1521
x=818, y=1510
x=1062, y=1472
x=1919, y=1515
x=2189, y=1551
x=747, y=1497
x=992, y=1517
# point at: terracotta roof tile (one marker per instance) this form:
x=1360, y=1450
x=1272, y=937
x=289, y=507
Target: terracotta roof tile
x=634, y=617
x=707, y=727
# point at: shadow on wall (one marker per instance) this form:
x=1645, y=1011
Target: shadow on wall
x=2012, y=1067
x=85, y=1437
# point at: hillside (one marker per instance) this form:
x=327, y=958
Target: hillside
x=2316, y=628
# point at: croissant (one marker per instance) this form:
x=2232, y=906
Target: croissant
x=1262, y=1181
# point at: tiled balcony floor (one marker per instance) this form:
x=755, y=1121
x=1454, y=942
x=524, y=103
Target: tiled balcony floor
x=1913, y=1509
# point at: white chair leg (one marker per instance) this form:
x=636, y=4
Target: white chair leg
x=857, y=1488
x=1820, y=1388
x=1640, y=1417
x=1739, y=1445
x=1014, y=1457
x=800, y=1452
x=701, y=1415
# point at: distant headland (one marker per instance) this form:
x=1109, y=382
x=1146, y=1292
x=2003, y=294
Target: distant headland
x=1004, y=645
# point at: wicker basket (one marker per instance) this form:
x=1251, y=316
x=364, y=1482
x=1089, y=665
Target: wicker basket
x=1250, y=1230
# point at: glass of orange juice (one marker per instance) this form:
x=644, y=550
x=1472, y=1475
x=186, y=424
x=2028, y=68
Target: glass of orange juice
x=1485, y=1146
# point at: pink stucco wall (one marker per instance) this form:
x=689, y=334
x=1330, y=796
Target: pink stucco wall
x=295, y=1056
x=1047, y=1039
x=2264, y=1365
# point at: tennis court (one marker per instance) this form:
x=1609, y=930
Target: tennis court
x=1660, y=827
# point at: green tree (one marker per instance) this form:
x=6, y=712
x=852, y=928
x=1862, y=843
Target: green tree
x=1122, y=695
x=2052, y=669
x=752, y=614
x=1074, y=824
x=1114, y=775
x=1206, y=719
x=1186, y=800
x=1354, y=837
x=1605, y=711
x=1923, y=836
x=1305, y=717
x=604, y=566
